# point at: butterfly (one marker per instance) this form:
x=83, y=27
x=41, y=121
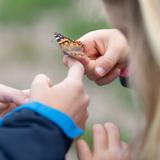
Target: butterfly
x=70, y=47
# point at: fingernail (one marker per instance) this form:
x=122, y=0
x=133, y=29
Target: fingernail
x=98, y=128
x=100, y=71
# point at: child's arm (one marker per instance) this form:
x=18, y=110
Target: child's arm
x=27, y=135
x=107, y=145
x=45, y=127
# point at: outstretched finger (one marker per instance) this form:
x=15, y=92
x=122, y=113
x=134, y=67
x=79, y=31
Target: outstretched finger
x=114, y=138
x=100, y=141
x=76, y=69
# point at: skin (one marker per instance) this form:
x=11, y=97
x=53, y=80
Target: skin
x=107, y=54
x=107, y=145
x=68, y=96
x=11, y=98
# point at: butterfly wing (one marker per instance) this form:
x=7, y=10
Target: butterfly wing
x=69, y=47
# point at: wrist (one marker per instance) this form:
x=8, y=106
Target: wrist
x=63, y=121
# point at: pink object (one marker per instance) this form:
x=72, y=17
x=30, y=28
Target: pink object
x=124, y=72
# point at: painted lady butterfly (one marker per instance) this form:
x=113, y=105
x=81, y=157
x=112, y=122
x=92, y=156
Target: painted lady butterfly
x=70, y=47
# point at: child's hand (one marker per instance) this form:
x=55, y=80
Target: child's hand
x=108, y=49
x=107, y=145
x=11, y=98
x=67, y=96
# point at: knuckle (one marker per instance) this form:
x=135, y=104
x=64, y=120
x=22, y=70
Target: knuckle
x=110, y=61
x=87, y=114
x=86, y=101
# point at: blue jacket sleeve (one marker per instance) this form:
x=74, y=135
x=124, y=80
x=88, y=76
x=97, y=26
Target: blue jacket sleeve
x=59, y=118
x=28, y=135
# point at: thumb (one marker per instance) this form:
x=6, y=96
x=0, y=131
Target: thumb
x=40, y=83
x=105, y=63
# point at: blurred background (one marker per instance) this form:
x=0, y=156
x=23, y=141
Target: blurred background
x=27, y=48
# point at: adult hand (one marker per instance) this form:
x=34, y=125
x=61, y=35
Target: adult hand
x=107, y=50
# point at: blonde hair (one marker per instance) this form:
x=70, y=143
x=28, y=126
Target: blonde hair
x=140, y=21
x=151, y=15
x=143, y=29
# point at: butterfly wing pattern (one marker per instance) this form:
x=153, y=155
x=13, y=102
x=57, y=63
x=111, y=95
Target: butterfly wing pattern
x=70, y=47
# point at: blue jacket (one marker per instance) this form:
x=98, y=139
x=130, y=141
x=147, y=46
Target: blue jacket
x=35, y=131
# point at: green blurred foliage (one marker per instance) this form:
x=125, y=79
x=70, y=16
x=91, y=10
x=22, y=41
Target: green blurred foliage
x=88, y=137
x=126, y=96
x=24, y=11
x=75, y=28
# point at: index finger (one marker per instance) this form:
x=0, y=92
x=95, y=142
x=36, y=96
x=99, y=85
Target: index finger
x=76, y=69
x=113, y=132
x=100, y=140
